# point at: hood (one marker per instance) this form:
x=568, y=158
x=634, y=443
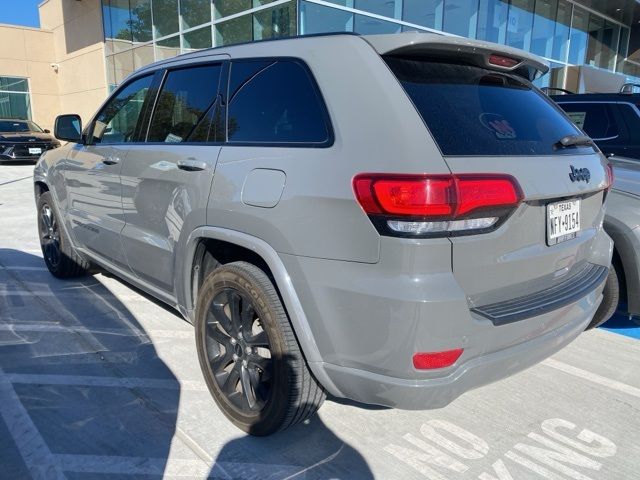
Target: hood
x=26, y=137
x=626, y=174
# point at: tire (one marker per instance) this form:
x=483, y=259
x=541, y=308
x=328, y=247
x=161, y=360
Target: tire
x=255, y=347
x=59, y=256
x=610, y=298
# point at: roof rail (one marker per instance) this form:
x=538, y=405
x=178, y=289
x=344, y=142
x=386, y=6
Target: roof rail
x=546, y=90
x=627, y=88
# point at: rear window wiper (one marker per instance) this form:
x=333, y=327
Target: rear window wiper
x=574, y=141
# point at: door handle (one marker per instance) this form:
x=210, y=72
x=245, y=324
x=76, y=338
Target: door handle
x=111, y=160
x=192, y=165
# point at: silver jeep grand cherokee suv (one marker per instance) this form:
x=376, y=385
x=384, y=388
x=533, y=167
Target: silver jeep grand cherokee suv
x=392, y=219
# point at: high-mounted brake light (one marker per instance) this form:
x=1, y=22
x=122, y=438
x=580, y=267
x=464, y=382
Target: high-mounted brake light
x=426, y=205
x=501, y=61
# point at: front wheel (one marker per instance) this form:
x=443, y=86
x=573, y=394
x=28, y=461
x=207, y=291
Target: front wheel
x=248, y=353
x=59, y=255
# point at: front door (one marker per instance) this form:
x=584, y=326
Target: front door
x=92, y=175
x=166, y=180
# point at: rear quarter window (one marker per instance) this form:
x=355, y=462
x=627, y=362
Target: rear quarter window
x=472, y=111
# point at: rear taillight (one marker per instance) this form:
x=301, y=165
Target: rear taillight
x=609, y=176
x=436, y=205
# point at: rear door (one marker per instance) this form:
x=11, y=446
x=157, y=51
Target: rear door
x=166, y=180
x=487, y=121
x=92, y=172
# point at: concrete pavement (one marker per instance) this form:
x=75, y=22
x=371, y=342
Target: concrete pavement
x=100, y=381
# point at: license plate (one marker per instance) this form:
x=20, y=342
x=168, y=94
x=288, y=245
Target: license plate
x=35, y=151
x=563, y=221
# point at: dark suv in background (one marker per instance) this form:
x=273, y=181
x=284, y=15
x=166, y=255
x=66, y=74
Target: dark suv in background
x=23, y=140
x=612, y=120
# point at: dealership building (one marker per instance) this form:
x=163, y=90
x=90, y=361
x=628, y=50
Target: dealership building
x=85, y=48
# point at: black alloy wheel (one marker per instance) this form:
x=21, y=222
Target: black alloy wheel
x=239, y=351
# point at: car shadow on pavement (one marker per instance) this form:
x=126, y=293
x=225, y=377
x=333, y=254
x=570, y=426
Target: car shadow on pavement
x=83, y=393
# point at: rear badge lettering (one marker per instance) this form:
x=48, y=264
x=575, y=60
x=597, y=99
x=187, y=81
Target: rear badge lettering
x=579, y=174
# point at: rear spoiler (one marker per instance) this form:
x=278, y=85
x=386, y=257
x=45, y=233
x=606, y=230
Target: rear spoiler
x=475, y=52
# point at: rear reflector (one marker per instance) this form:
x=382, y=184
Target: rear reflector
x=446, y=197
x=501, y=61
x=429, y=361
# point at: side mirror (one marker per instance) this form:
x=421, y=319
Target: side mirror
x=46, y=130
x=68, y=128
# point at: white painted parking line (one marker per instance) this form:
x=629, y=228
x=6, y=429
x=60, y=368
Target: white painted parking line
x=173, y=467
x=34, y=451
x=20, y=267
x=125, y=332
x=97, y=381
x=592, y=377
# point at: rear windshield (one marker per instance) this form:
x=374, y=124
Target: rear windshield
x=472, y=111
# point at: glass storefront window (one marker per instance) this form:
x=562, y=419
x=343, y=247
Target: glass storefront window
x=195, y=12
x=197, y=39
x=520, y=24
x=167, y=48
x=578, y=38
x=117, y=19
x=320, y=19
x=15, y=101
x=386, y=8
x=544, y=22
x=165, y=17
x=603, y=42
x=229, y=7
x=427, y=13
x=122, y=66
x=143, y=55
x=492, y=20
x=461, y=17
x=237, y=30
x=561, y=34
x=140, y=23
x=275, y=22
x=370, y=26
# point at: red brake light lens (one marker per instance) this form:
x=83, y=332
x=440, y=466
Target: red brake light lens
x=501, y=61
x=610, y=177
x=434, y=196
x=429, y=361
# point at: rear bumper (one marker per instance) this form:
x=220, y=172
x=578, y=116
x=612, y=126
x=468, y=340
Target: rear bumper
x=371, y=388
x=368, y=320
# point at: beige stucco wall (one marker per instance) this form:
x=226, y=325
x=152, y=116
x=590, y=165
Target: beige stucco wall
x=79, y=51
x=29, y=52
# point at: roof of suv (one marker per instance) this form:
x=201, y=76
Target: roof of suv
x=408, y=43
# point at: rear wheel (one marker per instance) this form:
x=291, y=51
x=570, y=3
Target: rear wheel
x=610, y=299
x=59, y=256
x=248, y=353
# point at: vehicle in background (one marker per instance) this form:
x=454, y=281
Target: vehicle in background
x=612, y=120
x=622, y=223
x=425, y=223
x=23, y=140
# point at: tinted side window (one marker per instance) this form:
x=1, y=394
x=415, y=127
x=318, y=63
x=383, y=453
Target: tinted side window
x=276, y=103
x=596, y=119
x=117, y=121
x=186, y=105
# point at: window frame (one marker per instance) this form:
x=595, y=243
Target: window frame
x=163, y=74
x=330, y=140
x=87, y=134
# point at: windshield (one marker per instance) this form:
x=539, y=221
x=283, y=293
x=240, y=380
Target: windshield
x=473, y=111
x=12, y=126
